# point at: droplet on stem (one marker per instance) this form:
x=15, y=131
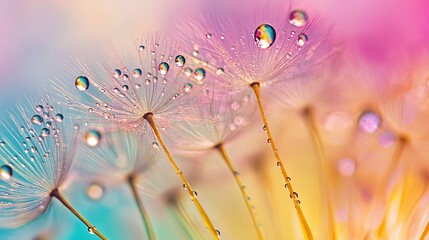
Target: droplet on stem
x=265, y=35
x=81, y=83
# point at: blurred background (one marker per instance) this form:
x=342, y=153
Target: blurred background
x=38, y=37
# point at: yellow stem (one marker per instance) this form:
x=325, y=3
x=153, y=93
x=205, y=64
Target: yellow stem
x=55, y=193
x=145, y=217
x=425, y=232
x=318, y=143
x=240, y=184
x=304, y=225
x=192, y=194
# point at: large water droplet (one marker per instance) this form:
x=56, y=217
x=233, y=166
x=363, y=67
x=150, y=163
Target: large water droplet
x=6, y=172
x=163, y=68
x=180, y=60
x=59, y=117
x=199, y=74
x=82, y=83
x=37, y=119
x=369, y=121
x=302, y=39
x=45, y=132
x=298, y=18
x=116, y=73
x=95, y=191
x=92, y=137
x=265, y=35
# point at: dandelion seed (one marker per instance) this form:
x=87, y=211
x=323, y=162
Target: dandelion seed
x=34, y=177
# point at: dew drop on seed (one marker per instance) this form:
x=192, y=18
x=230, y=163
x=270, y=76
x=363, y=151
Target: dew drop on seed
x=45, y=132
x=219, y=71
x=6, y=172
x=92, y=137
x=199, y=74
x=295, y=194
x=209, y=35
x=286, y=186
x=184, y=186
x=369, y=122
x=37, y=119
x=269, y=140
x=163, y=68
x=155, y=145
x=137, y=73
x=188, y=71
x=289, y=179
x=125, y=88
x=302, y=39
x=298, y=18
x=81, y=83
x=95, y=191
x=187, y=87
x=116, y=73
x=91, y=230
x=2, y=144
x=39, y=108
x=265, y=35
x=141, y=47
x=59, y=117
x=346, y=167
x=218, y=233
x=125, y=77
x=264, y=128
x=180, y=60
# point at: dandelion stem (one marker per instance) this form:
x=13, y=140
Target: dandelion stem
x=184, y=220
x=425, y=232
x=318, y=143
x=304, y=225
x=240, y=184
x=150, y=119
x=145, y=217
x=55, y=193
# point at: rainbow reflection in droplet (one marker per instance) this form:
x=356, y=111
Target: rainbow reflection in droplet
x=6, y=172
x=199, y=74
x=180, y=60
x=265, y=35
x=163, y=68
x=82, y=83
x=298, y=18
x=92, y=137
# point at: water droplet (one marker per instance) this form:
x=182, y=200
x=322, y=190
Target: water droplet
x=37, y=119
x=59, y=117
x=286, y=186
x=279, y=164
x=269, y=140
x=155, y=145
x=116, y=73
x=137, y=72
x=195, y=53
x=188, y=71
x=184, y=186
x=302, y=39
x=209, y=35
x=298, y=201
x=180, y=60
x=6, y=172
x=2, y=144
x=265, y=35
x=45, y=132
x=141, y=47
x=386, y=139
x=125, y=77
x=289, y=179
x=236, y=173
x=39, y=108
x=81, y=83
x=163, y=68
x=369, y=122
x=91, y=230
x=92, y=137
x=193, y=195
x=217, y=233
x=187, y=87
x=295, y=195
x=346, y=167
x=219, y=71
x=199, y=74
x=264, y=128
x=95, y=191
x=125, y=88
x=298, y=18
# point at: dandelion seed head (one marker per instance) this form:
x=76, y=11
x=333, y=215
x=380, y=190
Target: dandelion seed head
x=35, y=157
x=122, y=88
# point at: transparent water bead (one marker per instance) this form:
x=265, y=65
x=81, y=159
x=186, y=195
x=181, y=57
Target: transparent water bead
x=265, y=35
x=298, y=18
x=302, y=39
x=59, y=117
x=6, y=172
x=199, y=74
x=81, y=83
x=92, y=137
x=180, y=60
x=369, y=122
x=137, y=72
x=37, y=119
x=163, y=68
